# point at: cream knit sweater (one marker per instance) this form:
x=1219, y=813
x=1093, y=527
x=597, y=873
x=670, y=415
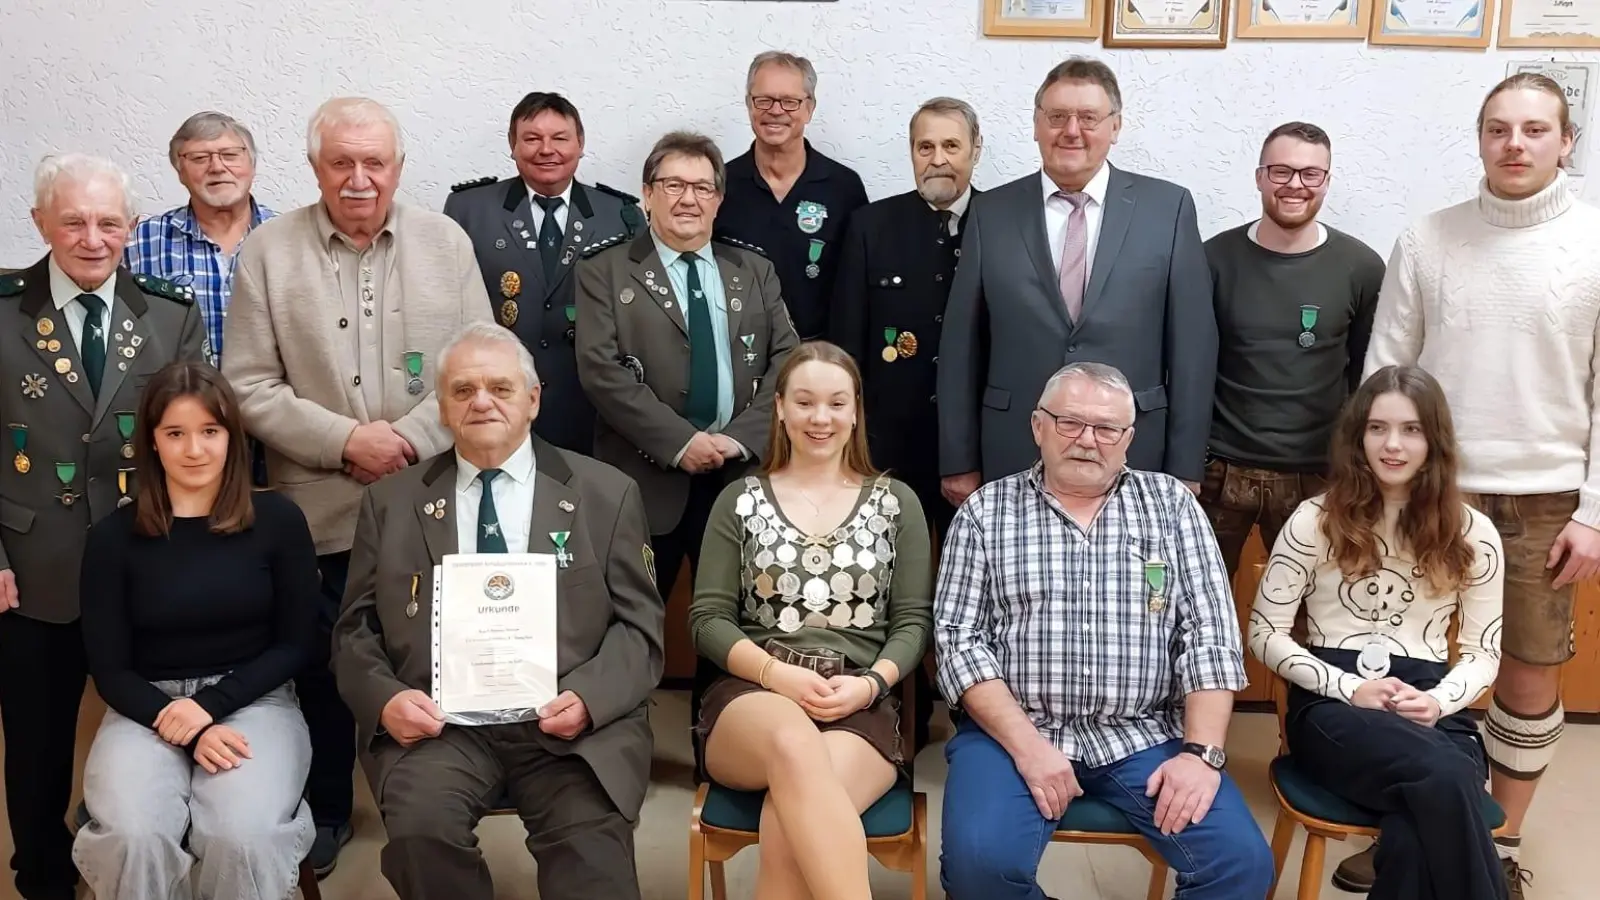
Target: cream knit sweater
x=1500, y=301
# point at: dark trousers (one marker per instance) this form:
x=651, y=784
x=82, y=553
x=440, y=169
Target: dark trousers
x=1426, y=783
x=329, y=787
x=1238, y=498
x=440, y=788
x=42, y=674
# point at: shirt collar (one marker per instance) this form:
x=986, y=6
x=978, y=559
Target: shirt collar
x=1096, y=188
x=326, y=229
x=64, y=290
x=670, y=256
x=183, y=219
x=566, y=195
x=959, y=207
x=520, y=466
x=1036, y=479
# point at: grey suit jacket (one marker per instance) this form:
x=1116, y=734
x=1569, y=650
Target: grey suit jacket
x=70, y=441
x=496, y=216
x=1147, y=310
x=610, y=650
x=633, y=358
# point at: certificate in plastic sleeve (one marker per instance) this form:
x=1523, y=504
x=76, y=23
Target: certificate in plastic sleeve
x=494, y=636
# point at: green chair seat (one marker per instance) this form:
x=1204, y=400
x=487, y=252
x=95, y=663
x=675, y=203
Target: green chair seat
x=1308, y=798
x=1098, y=816
x=732, y=810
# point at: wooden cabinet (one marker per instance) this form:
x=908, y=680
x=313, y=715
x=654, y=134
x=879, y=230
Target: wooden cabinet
x=1580, y=687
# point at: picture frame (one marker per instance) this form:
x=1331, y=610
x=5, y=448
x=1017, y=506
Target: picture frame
x=1167, y=24
x=1459, y=24
x=1325, y=20
x=1042, y=18
x=1549, y=24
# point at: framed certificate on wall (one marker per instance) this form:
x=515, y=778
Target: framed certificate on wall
x=1042, y=18
x=1555, y=24
x=1326, y=20
x=1167, y=24
x=1433, y=23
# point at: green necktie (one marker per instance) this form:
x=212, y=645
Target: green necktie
x=490, y=540
x=702, y=406
x=94, y=340
x=549, y=235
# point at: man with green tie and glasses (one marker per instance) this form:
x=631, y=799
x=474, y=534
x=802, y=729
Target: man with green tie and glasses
x=577, y=774
x=83, y=334
x=679, y=339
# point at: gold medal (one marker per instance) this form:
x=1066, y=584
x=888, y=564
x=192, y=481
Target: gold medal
x=508, y=310
x=46, y=327
x=63, y=366
x=22, y=463
x=54, y=346
x=890, y=354
x=906, y=344
x=510, y=285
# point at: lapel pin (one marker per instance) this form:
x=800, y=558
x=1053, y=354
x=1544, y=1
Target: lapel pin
x=516, y=223
x=566, y=505
x=532, y=245
x=127, y=325
x=54, y=346
x=136, y=341
x=626, y=296
x=45, y=327
x=41, y=345
x=578, y=225
x=499, y=243
x=566, y=258
x=34, y=386
x=427, y=508
x=736, y=304
x=524, y=235
x=63, y=366
x=72, y=378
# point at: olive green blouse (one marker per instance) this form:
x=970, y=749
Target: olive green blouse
x=864, y=589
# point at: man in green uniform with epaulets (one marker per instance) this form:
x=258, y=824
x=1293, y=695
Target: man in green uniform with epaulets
x=527, y=232
x=81, y=337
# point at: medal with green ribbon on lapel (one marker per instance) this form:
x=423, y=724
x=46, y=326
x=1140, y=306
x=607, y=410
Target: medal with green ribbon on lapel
x=559, y=538
x=572, y=318
x=891, y=352
x=413, y=371
x=1155, y=578
x=814, y=253
x=65, y=472
x=1308, y=321
x=125, y=428
x=19, y=440
x=749, y=341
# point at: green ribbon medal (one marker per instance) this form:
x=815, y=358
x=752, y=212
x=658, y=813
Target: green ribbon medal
x=19, y=439
x=890, y=352
x=572, y=314
x=1308, y=321
x=414, y=370
x=65, y=472
x=563, y=558
x=125, y=428
x=1155, y=577
x=814, y=253
x=749, y=341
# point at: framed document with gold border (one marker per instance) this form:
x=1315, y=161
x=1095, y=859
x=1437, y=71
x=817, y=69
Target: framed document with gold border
x=1432, y=23
x=1552, y=24
x=1327, y=20
x=1042, y=18
x=1167, y=24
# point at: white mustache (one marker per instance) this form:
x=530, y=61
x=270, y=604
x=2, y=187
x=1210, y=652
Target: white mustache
x=368, y=194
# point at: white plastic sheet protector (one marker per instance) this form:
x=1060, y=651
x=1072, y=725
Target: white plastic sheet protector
x=494, y=636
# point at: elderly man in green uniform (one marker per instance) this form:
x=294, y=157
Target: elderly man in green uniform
x=527, y=231
x=784, y=195
x=83, y=335
x=679, y=343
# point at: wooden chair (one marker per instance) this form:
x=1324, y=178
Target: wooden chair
x=1321, y=813
x=1090, y=821
x=725, y=821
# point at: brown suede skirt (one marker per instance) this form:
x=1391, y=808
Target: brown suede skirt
x=878, y=725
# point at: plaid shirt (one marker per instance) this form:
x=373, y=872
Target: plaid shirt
x=173, y=247
x=1098, y=659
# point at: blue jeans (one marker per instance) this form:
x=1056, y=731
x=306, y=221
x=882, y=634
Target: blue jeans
x=994, y=835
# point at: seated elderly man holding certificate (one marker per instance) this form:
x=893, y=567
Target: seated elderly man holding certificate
x=500, y=636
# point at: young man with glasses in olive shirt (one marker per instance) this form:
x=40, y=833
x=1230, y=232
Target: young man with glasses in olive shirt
x=1294, y=301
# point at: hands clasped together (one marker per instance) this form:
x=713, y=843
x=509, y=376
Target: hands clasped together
x=1394, y=695
x=823, y=699
x=219, y=748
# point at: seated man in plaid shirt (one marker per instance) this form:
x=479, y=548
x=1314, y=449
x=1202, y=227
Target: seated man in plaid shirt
x=1088, y=646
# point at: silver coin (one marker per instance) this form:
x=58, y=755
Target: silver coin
x=891, y=504
x=755, y=524
x=764, y=559
x=816, y=594
x=744, y=505
x=864, y=616
x=789, y=584
x=864, y=538
x=866, y=586
x=768, y=538
x=815, y=560
x=841, y=584
x=839, y=617
x=878, y=524
x=866, y=560
x=787, y=554
x=766, y=510
x=843, y=556
x=883, y=550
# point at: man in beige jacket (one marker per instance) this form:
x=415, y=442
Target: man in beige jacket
x=338, y=311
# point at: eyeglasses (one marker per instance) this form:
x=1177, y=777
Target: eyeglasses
x=1087, y=120
x=1071, y=428
x=1312, y=177
x=787, y=104
x=674, y=187
x=230, y=156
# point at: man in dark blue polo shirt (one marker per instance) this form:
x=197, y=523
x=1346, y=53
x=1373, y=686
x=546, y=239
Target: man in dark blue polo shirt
x=786, y=197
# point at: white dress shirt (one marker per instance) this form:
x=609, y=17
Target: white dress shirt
x=537, y=211
x=959, y=208
x=1057, y=210
x=513, y=500
x=64, y=292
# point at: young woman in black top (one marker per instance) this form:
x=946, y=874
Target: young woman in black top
x=197, y=611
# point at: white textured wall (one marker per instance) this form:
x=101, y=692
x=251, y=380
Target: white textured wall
x=119, y=82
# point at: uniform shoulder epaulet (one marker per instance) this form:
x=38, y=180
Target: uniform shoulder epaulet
x=161, y=287
x=598, y=246
x=12, y=284
x=476, y=182
x=742, y=245
x=632, y=217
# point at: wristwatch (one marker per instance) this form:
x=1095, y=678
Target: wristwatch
x=883, y=686
x=1211, y=755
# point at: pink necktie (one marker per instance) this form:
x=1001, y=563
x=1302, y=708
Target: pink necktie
x=1074, y=254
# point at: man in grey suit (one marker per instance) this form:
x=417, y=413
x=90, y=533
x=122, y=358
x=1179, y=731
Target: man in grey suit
x=1080, y=262
x=82, y=336
x=578, y=774
x=679, y=343
x=528, y=231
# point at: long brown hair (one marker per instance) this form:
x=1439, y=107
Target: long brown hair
x=856, y=457
x=1433, y=524
x=233, y=511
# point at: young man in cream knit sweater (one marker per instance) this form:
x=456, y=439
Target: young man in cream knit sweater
x=1499, y=298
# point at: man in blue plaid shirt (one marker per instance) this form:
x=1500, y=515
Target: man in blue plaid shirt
x=1088, y=645
x=196, y=244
